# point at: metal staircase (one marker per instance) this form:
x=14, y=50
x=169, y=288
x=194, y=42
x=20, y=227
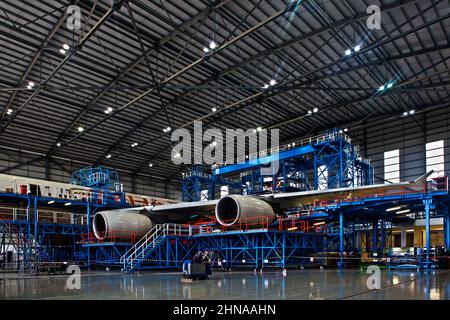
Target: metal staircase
x=137, y=254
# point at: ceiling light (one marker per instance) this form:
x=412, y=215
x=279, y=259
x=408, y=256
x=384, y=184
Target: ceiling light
x=80, y=129
x=254, y=130
x=273, y=82
x=393, y=208
x=293, y=228
x=266, y=86
x=150, y=165
x=405, y=113
x=340, y=131
x=214, y=109
x=106, y=111
x=66, y=46
x=309, y=112
x=390, y=85
x=293, y=144
x=345, y=129
x=108, y=156
x=348, y=52
x=403, y=211
x=62, y=51
x=168, y=129
x=316, y=110
x=212, y=45
x=67, y=204
x=110, y=109
x=411, y=112
x=205, y=49
x=259, y=129
x=9, y=111
x=214, y=143
x=381, y=88
x=134, y=144
x=319, y=223
x=409, y=230
x=51, y=202
x=357, y=48
x=58, y=144
x=31, y=84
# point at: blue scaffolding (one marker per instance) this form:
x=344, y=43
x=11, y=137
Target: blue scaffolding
x=327, y=161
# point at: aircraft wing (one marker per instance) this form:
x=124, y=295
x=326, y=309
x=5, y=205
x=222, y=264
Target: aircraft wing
x=182, y=211
x=298, y=199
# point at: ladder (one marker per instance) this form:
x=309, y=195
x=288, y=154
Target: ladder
x=137, y=254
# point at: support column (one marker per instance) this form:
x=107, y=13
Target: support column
x=375, y=237
x=446, y=229
x=88, y=234
x=35, y=210
x=427, y=203
x=403, y=236
x=341, y=237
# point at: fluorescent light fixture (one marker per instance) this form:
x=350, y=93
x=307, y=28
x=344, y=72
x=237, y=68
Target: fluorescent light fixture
x=410, y=230
x=319, y=223
x=316, y=110
x=212, y=45
x=394, y=208
x=357, y=48
x=205, y=50
x=51, y=202
x=348, y=52
x=293, y=228
x=273, y=82
x=403, y=211
x=66, y=46
x=214, y=109
x=67, y=204
x=80, y=129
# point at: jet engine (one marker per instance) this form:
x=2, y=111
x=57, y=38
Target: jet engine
x=120, y=224
x=233, y=209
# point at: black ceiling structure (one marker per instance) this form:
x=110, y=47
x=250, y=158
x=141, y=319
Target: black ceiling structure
x=145, y=60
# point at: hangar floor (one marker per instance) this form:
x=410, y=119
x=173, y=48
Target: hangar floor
x=304, y=284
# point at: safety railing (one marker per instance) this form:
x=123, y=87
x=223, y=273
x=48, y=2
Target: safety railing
x=330, y=136
x=151, y=239
x=109, y=237
x=47, y=216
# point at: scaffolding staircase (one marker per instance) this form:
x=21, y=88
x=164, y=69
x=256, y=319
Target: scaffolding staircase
x=138, y=254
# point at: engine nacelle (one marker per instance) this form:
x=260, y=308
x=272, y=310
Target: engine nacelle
x=120, y=225
x=233, y=209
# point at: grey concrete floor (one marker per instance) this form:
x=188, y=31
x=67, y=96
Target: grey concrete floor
x=302, y=284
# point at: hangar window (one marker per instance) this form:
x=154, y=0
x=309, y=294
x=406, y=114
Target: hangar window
x=204, y=195
x=435, y=158
x=392, y=166
x=223, y=191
